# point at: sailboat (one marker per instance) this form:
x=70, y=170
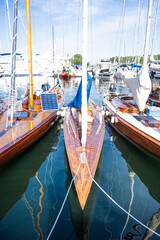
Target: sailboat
x=83, y=129
x=65, y=74
x=31, y=118
x=129, y=115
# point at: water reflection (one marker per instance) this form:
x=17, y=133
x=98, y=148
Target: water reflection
x=153, y=224
x=147, y=169
x=82, y=219
x=11, y=187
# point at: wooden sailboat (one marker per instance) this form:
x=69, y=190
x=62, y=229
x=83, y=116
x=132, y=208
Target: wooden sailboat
x=129, y=114
x=83, y=132
x=29, y=120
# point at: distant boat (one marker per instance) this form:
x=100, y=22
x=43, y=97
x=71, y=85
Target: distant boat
x=1, y=71
x=104, y=69
x=129, y=114
x=83, y=130
x=65, y=75
x=31, y=118
x=154, y=65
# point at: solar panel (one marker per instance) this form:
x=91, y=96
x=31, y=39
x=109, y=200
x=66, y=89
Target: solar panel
x=49, y=101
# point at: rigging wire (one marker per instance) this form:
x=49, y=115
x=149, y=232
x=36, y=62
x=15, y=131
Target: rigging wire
x=122, y=27
x=9, y=21
x=154, y=27
x=79, y=7
x=117, y=36
x=91, y=33
x=34, y=32
x=135, y=30
x=22, y=22
x=63, y=28
x=139, y=18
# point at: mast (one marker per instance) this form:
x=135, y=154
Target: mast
x=146, y=47
x=13, y=65
x=28, y=19
x=84, y=74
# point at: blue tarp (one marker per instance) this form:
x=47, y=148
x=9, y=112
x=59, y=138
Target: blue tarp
x=135, y=65
x=77, y=101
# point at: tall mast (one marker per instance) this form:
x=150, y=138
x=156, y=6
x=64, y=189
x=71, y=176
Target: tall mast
x=147, y=34
x=28, y=19
x=84, y=74
x=13, y=65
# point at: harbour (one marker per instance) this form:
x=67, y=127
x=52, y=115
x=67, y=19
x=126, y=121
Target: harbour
x=79, y=132
x=34, y=186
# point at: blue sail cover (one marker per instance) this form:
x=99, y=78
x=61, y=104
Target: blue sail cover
x=77, y=101
x=136, y=65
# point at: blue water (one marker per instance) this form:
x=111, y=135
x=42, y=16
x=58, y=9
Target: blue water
x=34, y=185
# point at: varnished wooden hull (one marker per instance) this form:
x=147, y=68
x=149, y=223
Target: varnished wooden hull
x=24, y=132
x=83, y=172
x=21, y=136
x=140, y=138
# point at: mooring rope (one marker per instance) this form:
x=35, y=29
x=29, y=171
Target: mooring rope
x=60, y=209
x=73, y=179
x=119, y=205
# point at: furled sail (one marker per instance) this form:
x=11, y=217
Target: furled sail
x=77, y=101
x=140, y=86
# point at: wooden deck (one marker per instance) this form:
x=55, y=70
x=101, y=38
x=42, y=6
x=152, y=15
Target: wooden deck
x=154, y=98
x=83, y=163
x=130, y=130
x=27, y=128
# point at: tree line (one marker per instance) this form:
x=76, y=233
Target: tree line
x=129, y=59
x=77, y=59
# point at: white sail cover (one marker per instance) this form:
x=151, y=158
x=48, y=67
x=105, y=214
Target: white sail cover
x=154, y=64
x=154, y=67
x=153, y=60
x=140, y=86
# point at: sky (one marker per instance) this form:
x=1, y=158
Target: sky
x=105, y=35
